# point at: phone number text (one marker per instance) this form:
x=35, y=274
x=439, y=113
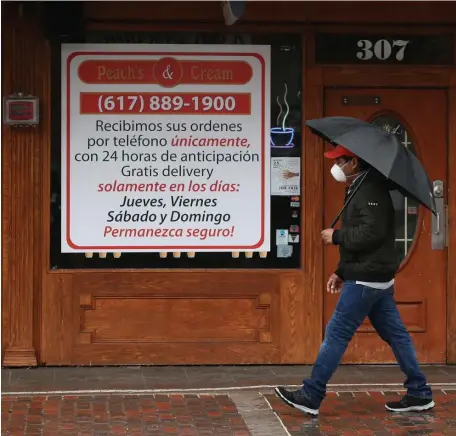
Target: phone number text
x=165, y=103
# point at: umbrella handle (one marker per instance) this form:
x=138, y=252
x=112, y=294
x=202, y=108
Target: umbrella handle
x=348, y=200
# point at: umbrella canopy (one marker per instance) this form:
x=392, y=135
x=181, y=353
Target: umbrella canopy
x=382, y=150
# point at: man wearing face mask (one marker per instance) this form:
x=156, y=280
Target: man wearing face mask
x=365, y=277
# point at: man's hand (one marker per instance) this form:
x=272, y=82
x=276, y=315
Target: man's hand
x=327, y=236
x=335, y=284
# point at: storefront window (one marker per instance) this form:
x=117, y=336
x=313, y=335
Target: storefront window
x=286, y=142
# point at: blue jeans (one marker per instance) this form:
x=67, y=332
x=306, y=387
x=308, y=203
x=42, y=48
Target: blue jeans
x=355, y=303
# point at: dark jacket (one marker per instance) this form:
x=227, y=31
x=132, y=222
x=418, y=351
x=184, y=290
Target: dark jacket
x=367, y=236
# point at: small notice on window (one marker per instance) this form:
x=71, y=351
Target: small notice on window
x=285, y=175
x=284, y=251
x=281, y=237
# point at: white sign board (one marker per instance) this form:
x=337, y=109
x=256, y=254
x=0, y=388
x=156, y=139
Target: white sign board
x=165, y=148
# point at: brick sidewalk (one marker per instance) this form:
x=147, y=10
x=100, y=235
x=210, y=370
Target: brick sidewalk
x=125, y=401
x=186, y=415
x=342, y=414
x=363, y=413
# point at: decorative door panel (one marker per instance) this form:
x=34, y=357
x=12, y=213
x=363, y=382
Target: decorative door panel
x=419, y=117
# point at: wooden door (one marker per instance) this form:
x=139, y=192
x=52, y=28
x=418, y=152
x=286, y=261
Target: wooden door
x=420, y=118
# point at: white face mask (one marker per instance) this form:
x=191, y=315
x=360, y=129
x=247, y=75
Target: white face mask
x=338, y=174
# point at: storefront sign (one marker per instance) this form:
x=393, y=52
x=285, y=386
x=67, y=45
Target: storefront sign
x=345, y=48
x=20, y=110
x=165, y=148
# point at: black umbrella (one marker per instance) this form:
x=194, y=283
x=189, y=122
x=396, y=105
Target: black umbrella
x=383, y=151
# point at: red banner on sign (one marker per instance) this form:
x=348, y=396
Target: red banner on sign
x=167, y=72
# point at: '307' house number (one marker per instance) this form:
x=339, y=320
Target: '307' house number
x=381, y=49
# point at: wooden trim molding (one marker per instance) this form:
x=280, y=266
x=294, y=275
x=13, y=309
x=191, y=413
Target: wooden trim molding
x=25, y=69
x=386, y=76
x=372, y=12
x=313, y=204
x=451, y=286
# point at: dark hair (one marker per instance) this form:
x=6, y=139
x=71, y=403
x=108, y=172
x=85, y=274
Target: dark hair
x=363, y=165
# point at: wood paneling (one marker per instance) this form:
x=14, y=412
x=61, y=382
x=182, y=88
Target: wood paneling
x=451, y=300
x=59, y=314
x=278, y=11
x=180, y=318
x=25, y=68
x=168, y=317
x=177, y=318
x=294, y=316
x=380, y=75
x=413, y=314
x=313, y=205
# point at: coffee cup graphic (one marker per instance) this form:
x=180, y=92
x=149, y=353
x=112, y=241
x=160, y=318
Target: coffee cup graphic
x=282, y=137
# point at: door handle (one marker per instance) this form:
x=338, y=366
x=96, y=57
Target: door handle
x=439, y=228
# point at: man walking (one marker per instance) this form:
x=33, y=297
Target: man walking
x=365, y=278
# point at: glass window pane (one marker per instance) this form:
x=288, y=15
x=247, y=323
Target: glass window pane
x=286, y=80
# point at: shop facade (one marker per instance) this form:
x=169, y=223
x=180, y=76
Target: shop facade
x=393, y=66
